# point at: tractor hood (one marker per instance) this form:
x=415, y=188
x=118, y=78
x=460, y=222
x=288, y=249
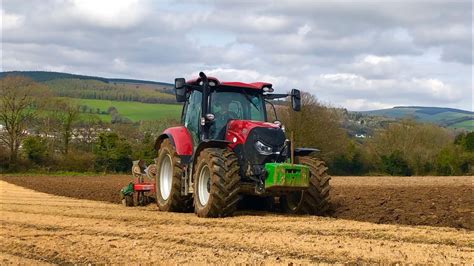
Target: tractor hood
x=238, y=130
x=256, y=143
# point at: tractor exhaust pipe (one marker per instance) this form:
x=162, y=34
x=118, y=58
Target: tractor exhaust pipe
x=204, y=104
x=203, y=78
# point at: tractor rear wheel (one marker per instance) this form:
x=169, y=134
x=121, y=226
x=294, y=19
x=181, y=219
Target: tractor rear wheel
x=315, y=199
x=216, y=183
x=168, y=184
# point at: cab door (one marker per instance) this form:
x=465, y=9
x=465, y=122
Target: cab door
x=192, y=115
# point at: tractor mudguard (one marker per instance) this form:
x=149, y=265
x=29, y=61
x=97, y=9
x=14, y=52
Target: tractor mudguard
x=181, y=140
x=208, y=143
x=304, y=151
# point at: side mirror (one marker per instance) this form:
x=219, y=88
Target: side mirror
x=296, y=100
x=180, y=89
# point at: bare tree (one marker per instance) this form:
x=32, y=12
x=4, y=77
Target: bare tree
x=67, y=113
x=17, y=110
x=418, y=144
x=316, y=126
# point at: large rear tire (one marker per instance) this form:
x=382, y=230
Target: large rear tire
x=169, y=175
x=216, y=183
x=315, y=199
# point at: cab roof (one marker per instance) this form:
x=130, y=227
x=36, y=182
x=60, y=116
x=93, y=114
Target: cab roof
x=235, y=84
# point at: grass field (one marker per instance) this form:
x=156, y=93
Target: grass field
x=469, y=125
x=135, y=111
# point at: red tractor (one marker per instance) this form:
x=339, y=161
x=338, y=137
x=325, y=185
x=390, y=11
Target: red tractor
x=226, y=149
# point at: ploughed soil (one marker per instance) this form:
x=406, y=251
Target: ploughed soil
x=434, y=201
x=43, y=228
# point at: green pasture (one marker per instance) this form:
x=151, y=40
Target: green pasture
x=135, y=111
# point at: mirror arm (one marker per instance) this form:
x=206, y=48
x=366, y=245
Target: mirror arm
x=275, y=96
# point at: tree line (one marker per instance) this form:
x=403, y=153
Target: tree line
x=94, y=89
x=399, y=148
x=42, y=132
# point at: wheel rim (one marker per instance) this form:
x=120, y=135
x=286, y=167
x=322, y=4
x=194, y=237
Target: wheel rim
x=166, y=177
x=293, y=200
x=204, y=185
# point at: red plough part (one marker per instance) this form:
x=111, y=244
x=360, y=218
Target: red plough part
x=137, y=193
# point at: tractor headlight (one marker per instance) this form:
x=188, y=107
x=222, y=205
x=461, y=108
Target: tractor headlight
x=263, y=149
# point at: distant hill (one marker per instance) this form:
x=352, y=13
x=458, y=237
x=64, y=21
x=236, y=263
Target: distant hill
x=99, y=88
x=43, y=76
x=145, y=91
x=446, y=117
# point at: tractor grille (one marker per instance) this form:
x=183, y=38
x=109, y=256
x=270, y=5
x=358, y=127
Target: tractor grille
x=273, y=137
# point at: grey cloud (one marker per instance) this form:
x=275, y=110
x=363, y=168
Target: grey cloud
x=461, y=54
x=291, y=43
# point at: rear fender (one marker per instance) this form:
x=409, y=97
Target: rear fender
x=181, y=139
x=305, y=151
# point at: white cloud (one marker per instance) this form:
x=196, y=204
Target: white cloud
x=10, y=21
x=403, y=90
x=249, y=22
x=109, y=13
x=267, y=23
x=375, y=67
x=377, y=60
x=436, y=88
x=119, y=64
x=303, y=30
x=76, y=55
x=364, y=104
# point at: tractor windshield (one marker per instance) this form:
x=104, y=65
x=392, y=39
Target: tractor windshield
x=226, y=105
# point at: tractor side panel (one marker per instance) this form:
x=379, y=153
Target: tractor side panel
x=180, y=138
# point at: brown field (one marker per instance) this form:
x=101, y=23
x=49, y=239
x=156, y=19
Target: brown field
x=433, y=201
x=38, y=227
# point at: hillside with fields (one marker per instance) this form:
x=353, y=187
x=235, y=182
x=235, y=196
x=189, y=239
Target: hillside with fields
x=99, y=88
x=43, y=76
x=137, y=100
x=445, y=117
x=133, y=100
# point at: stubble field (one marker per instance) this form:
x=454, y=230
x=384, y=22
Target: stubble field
x=373, y=219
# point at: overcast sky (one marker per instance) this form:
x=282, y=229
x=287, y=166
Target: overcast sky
x=356, y=54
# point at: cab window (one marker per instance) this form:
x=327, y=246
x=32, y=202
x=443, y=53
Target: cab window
x=192, y=114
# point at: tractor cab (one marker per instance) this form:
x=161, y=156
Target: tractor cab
x=210, y=104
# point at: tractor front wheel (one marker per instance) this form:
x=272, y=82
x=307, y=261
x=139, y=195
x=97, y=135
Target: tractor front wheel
x=216, y=183
x=169, y=175
x=315, y=199
x=291, y=202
